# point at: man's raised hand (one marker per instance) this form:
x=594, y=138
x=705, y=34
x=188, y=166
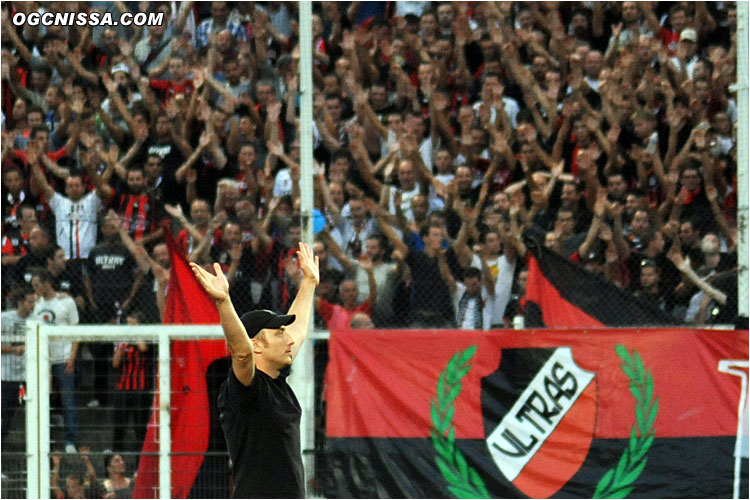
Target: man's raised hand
x=216, y=285
x=308, y=263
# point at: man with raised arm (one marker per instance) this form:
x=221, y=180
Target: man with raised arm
x=259, y=412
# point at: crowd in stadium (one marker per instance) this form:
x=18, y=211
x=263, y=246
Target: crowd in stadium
x=445, y=135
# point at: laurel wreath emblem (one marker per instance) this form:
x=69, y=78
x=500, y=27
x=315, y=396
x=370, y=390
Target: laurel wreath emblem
x=463, y=480
x=618, y=482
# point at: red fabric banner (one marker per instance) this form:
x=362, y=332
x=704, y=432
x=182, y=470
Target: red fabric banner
x=576, y=413
x=380, y=384
x=186, y=303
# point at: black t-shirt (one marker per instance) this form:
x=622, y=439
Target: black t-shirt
x=261, y=427
x=171, y=156
x=110, y=268
x=26, y=264
x=70, y=281
x=429, y=290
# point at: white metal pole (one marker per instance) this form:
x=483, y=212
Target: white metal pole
x=307, y=89
x=743, y=161
x=32, y=399
x=165, y=437
x=44, y=391
x=302, y=378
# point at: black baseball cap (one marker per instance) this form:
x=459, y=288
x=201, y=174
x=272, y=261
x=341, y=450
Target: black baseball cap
x=255, y=321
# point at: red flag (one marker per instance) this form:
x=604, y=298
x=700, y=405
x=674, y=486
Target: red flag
x=187, y=303
x=561, y=293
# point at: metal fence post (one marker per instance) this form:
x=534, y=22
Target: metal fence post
x=742, y=158
x=165, y=437
x=43, y=420
x=31, y=400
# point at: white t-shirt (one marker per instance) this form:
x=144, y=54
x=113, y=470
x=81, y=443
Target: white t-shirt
x=13, y=333
x=503, y=286
x=468, y=317
x=380, y=271
x=510, y=107
x=75, y=223
x=406, y=197
x=282, y=185
x=59, y=310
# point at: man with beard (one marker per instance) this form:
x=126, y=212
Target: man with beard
x=141, y=213
x=75, y=214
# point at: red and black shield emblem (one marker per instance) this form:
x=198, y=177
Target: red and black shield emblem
x=539, y=414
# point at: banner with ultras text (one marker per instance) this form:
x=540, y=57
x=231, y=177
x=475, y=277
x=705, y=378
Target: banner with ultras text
x=599, y=413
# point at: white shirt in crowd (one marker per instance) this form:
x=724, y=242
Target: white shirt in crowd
x=13, y=333
x=59, y=310
x=502, y=270
x=75, y=223
x=467, y=321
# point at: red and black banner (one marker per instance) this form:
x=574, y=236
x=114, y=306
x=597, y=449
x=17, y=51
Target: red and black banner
x=561, y=293
x=541, y=413
x=193, y=417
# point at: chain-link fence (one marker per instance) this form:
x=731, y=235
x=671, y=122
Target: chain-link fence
x=596, y=159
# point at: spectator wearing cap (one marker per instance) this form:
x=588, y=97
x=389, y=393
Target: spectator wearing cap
x=255, y=396
x=677, y=19
x=686, y=55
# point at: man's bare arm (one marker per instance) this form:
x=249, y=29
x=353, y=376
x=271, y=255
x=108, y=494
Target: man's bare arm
x=239, y=344
x=303, y=302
